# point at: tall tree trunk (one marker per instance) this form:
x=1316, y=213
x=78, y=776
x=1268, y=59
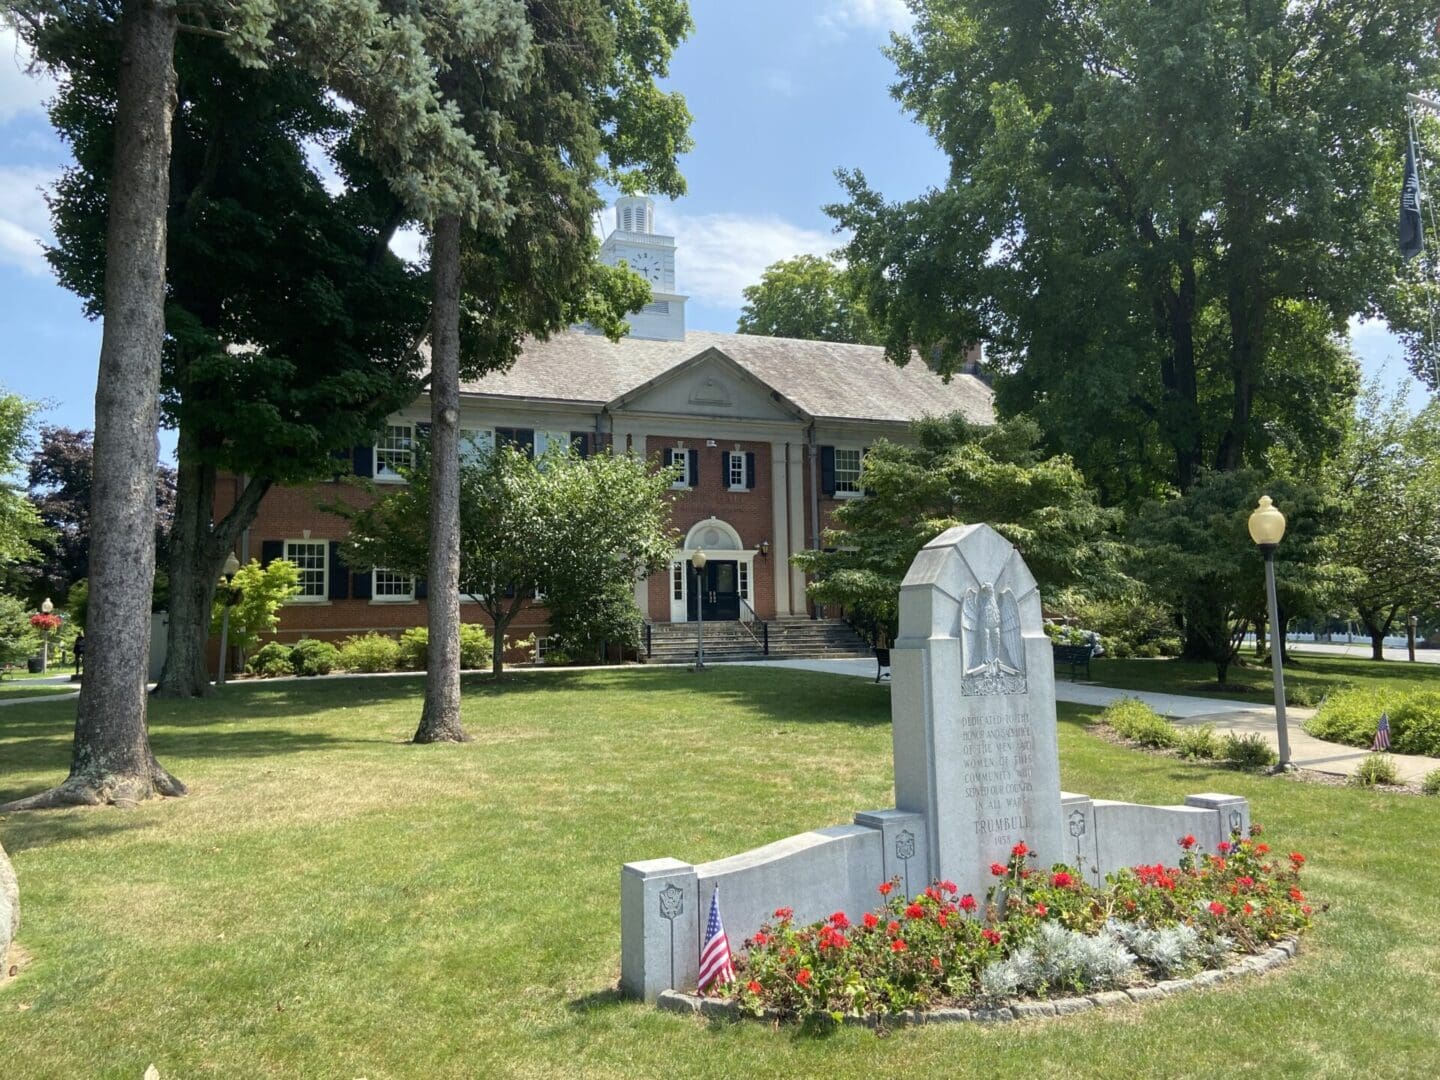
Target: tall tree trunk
x=440, y=719
x=197, y=558
x=112, y=761
x=1377, y=643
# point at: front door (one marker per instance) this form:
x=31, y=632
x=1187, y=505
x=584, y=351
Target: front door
x=719, y=591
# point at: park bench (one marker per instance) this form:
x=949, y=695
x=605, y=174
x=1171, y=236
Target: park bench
x=882, y=663
x=1074, y=657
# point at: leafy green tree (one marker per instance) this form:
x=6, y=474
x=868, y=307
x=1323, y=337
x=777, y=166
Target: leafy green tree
x=256, y=592
x=584, y=107
x=1158, y=217
x=806, y=297
x=1387, y=481
x=264, y=391
x=20, y=525
x=960, y=473
x=18, y=639
x=575, y=530
x=382, y=60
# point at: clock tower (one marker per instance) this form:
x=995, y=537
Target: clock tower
x=652, y=256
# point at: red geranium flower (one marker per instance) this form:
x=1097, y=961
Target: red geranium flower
x=1223, y=847
x=1249, y=910
x=1297, y=859
x=935, y=963
x=898, y=945
x=1217, y=908
x=1296, y=895
x=1306, y=908
x=893, y=926
x=761, y=938
x=997, y=869
x=1020, y=850
x=839, y=921
x=990, y=935
x=784, y=912
x=1041, y=910
x=871, y=919
x=950, y=887
x=1262, y=849
x=753, y=986
x=1245, y=882
x=943, y=919
x=803, y=976
x=1187, y=841
x=967, y=903
x=1061, y=880
x=886, y=887
x=914, y=911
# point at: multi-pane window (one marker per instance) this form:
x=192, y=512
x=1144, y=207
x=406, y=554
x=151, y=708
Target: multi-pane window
x=474, y=445
x=395, y=451
x=847, y=471
x=677, y=580
x=391, y=585
x=679, y=459
x=744, y=581
x=735, y=470
x=311, y=558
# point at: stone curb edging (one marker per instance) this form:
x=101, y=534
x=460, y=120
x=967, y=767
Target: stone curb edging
x=1284, y=951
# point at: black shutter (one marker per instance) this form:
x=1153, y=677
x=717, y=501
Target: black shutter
x=363, y=459
x=827, y=470
x=504, y=436
x=581, y=441
x=341, y=459
x=422, y=590
x=724, y=469
x=525, y=440
x=509, y=592
x=750, y=471
x=422, y=431
x=694, y=477
x=270, y=550
x=360, y=585
x=339, y=574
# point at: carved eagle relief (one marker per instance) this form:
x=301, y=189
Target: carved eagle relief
x=992, y=651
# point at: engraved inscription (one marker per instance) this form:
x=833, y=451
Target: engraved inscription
x=998, y=779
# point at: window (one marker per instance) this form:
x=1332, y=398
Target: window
x=394, y=451
x=312, y=559
x=735, y=470
x=744, y=581
x=847, y=471
x=474, y=445
x=388, y=585
x=681, y=459
x=542, y=647
x=677, y=581
x=548, y=440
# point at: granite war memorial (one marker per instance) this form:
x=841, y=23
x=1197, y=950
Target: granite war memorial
x=976, y=772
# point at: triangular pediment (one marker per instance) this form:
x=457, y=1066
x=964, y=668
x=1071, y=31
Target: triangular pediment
x=708, y=384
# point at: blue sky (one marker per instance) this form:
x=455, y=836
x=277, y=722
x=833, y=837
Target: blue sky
x=783, y=93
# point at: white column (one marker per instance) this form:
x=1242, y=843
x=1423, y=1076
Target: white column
x=798, y=539
x=642, y=585
x=779, y=531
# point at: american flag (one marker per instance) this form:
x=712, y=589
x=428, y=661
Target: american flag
x=1382, y=733
x=715, y=963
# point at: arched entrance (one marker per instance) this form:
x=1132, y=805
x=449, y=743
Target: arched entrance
x=724, y=588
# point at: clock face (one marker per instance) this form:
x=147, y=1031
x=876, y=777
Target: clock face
x=647, y=266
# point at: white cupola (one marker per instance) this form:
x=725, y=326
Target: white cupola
x=635, y=214
x=651, y=255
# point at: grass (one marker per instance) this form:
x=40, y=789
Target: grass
x=22, y=688
x=1318, y=674
x=331, y=902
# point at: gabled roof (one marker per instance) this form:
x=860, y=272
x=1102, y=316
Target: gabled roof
x=824, y=380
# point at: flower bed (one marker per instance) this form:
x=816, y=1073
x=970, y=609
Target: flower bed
x=1039, y=941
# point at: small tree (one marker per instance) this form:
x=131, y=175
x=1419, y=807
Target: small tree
x=807, y=297
x=18, y=638
x=258, y=591
x=575, y=530
x=960, y=473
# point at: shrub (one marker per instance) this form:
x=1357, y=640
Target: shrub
x=271, y=660
x=414, y=645
x=1169, y=646
x=1375, y=769
x=370, y=652
x=1132, y=719
x=312, y=657
x=1303, y=697
x=1248, y=751
x=1198, y=742
x=1431, y=784
x=1350, y=717
x=476, y=646
x=1148, y=650
x=1415, y=724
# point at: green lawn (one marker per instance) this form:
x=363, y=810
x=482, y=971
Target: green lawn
x=1319, y=673
x=22, y=688
x=330, y=902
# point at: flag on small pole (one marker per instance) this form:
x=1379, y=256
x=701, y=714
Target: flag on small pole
x=715, y=963
x=1382, y=733
x=1412, y=234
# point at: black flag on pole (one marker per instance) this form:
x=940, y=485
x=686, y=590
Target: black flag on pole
x=1412, y=237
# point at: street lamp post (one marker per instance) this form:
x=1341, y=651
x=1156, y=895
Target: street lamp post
x=698, y=561
x=1267, y=527
x=232, y=564
x=48, y=607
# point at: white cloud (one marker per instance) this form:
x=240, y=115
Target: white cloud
x=717, y=255
x=20, y=91
x=845, y=15
x=24, y=217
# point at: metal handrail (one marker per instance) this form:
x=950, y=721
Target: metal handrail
x=764, y=627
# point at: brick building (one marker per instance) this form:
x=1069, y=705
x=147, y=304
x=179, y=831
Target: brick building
x=768, y=433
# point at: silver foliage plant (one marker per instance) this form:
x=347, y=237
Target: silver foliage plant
x=1166, y=952
x=1058, y=957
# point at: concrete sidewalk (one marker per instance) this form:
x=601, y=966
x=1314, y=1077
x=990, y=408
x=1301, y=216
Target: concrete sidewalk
x=1240, y=717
